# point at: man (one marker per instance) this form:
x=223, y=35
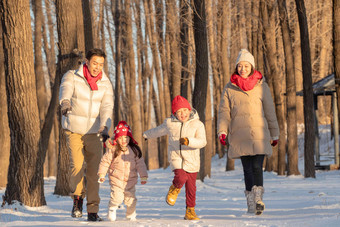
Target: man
x=86, y=99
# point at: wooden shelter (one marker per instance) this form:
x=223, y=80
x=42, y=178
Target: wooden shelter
x=326, y=86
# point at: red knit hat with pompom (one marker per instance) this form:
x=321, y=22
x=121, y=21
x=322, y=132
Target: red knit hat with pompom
x=122, y=129
x=178, y=103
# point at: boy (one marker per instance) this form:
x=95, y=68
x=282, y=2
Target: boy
x=186, y=137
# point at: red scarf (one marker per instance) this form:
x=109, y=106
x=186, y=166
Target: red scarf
x=90, y=79
x=248, y=83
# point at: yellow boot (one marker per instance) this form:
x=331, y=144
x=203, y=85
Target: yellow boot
x=172, y=195
x=190, y=214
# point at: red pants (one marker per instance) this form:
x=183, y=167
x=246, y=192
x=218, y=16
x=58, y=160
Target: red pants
x=189, y=179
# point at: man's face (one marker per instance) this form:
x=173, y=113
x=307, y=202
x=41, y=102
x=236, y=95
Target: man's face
x=95, y=65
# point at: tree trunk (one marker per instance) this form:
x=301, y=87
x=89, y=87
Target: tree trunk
x=49, y=49
x=71, y=51
x=309, y=116
x=174, y=42
x=293, y=152
x=184, y=35
x=87, y=25
x=4, y=128
x=201, y=74
x=268, y=13
x=118, y=39
x=38, y=61
x=336, y=51
x=25, y=177
x=205, y=168
x=134, y=101
x=298, y=66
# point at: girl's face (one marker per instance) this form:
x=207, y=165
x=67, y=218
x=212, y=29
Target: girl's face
x=183, y=114
x=244, y=69
x=123, y=141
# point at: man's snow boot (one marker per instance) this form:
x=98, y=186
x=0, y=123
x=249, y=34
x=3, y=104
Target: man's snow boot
x=132, y=217
x=258, y=193
x=190, y=214
x=250, y=201
x=111, y=214
x=93, y=217
x=172, y=195
x=77, y=210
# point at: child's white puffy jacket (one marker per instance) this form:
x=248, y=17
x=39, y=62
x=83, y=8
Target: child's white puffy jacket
x=181, y=156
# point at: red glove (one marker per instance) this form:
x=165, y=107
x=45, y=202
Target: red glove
x=223, y=138
x=274, y=143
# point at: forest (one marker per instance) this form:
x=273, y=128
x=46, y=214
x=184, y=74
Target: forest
x=156, y=50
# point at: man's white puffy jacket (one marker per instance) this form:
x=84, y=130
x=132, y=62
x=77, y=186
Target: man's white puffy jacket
x=181, y=156
x=90, y=109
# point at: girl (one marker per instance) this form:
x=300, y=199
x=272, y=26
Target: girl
x=247, y=118
x=122, y=160
x=186, y=137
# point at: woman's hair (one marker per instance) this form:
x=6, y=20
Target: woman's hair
x=251, y=71
x=135, y=148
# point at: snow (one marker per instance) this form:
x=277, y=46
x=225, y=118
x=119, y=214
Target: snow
x=290, y=201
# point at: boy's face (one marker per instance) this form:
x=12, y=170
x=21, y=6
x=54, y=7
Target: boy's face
x=123, y=141
x=183, y=114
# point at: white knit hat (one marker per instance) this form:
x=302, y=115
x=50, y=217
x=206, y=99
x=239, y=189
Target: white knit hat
x=245, y=55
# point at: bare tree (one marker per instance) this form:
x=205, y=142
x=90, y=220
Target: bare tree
x=71, y=50
x=87, y=25
x=307, y=91
x=292, y=148
x=25, y=177
x=268, y=10
x=336, y=50
x=4, y=128
x=201, y=74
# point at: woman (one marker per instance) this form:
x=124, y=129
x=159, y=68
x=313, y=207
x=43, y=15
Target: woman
x=247, y=123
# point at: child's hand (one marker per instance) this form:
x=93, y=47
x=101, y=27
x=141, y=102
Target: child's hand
x=101, y=180
x=184, y=141
x=143, y=180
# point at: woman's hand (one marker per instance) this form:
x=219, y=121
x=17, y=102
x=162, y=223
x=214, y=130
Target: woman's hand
x=223, y=138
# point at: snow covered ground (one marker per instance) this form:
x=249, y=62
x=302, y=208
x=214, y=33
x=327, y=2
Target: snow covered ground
x=290, y=201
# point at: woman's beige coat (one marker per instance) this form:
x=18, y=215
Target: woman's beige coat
x=181, y=156
x=248, y=119
x=90, y=109
x=123, y=169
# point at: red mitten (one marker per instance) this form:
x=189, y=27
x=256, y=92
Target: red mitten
x=274, y=143
x=223, y=138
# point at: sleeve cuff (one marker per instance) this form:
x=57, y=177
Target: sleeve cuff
x=143, y=179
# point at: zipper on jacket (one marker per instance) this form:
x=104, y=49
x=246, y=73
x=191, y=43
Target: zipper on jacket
x=90, y=110
x=180, y=145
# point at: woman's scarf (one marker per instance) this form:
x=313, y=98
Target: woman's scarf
x=248, y=83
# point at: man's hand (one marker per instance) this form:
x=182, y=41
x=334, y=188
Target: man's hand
x=104, y=133
x=223, y=138
x=65, y=107
x=184, y=141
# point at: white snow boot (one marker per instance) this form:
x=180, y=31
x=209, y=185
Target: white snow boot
x=258, y=193
x=250, y=201
x=111, y=214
